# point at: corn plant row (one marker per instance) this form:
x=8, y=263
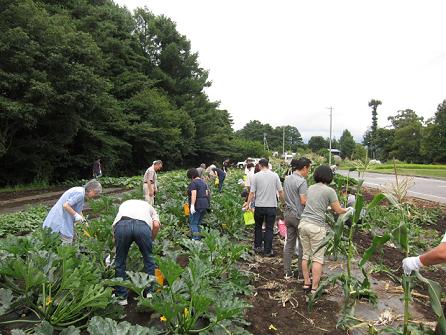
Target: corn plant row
x=340, y=242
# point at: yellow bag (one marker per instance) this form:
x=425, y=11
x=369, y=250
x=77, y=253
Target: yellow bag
x=186, y=209
x=216, y=182
x=248, y=216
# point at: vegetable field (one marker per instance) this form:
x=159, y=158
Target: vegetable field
x=219, y=286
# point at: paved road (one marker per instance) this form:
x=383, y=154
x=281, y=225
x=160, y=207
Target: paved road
x=424, y=188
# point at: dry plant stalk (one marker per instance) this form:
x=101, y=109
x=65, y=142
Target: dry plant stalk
x=285, y=296
x=401, y=186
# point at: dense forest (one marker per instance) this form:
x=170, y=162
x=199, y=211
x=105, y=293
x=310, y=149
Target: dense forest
x=87, y=79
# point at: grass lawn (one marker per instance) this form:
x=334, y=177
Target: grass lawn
x=435, y=173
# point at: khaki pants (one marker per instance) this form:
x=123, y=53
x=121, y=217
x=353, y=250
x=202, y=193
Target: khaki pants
x=311, y=236
x=147, y=197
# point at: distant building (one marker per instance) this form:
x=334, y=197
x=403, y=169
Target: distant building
x=288, y=156
x=336, y=152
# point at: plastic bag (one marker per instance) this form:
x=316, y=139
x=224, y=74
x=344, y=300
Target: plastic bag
x=282, y=227
x=216, y=182
x=248, y=216
x=186, y=209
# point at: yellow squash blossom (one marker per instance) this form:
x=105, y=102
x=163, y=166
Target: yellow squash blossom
x=271, y=327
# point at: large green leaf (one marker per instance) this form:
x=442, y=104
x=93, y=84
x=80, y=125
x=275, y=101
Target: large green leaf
x=359, y=205
x=70, y=331
x=377, y=242
x=101, y=326
x=6, y=299
x=400, y=237
x=170, y=269
x=434, y=290
x=377, y=199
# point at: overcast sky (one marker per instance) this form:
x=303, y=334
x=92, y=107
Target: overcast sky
x=285, y=62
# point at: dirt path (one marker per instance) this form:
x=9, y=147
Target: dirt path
x=279, y=305
x=21, y=200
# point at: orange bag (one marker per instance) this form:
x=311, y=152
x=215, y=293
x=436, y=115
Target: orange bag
x=186, y=209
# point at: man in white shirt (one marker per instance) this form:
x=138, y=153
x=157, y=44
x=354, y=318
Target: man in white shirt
x=136, y=221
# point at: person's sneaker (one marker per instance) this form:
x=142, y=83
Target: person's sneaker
x=289, y=276
x=258, y=250
x=148, y=295
x=269, y=254
x=121, y=301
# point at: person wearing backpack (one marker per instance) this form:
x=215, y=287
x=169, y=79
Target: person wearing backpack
x=295, y=190
x=198, y=198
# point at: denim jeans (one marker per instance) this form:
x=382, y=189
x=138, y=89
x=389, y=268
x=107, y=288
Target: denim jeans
x=220, y=183
x=195, y=222
x=128, y=231
x=267, y=214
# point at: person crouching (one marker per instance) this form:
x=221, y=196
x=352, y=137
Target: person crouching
x=136, y=221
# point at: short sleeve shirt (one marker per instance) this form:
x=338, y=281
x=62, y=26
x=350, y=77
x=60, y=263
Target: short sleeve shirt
x=319, y=197
x=138, y=210
x=200, y=186
x=249, y=177
x=265, y=185
x=294, y=186
x=200, y=171
x=58, y=219
x=220, y=172
x=151, y=177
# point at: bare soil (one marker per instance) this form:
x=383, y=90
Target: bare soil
x=17, y=201
x=279, y=306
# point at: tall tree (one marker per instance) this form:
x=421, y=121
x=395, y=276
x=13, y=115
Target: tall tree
x=86, y=79
x=347, y=144
x=317, y=143
x=407, y=135
x=434, y=140
x=374, y=104
x=360, y=152
x=254, y=131
x=384, y=143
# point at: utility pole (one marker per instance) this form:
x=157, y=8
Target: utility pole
x=283, y=143
x=331, y=123
x=265, y=143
